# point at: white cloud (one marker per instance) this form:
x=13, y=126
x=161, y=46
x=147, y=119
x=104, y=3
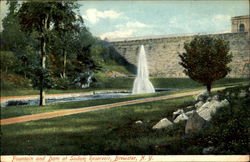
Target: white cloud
x=118, y=34
x=93, y=15
x=135, y=24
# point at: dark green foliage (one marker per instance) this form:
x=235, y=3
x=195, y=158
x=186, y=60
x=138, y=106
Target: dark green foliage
x=206, y=59
x=13, y=82
x=69, y=48
x=8, y=61
x=44, y=21
x=229, y=127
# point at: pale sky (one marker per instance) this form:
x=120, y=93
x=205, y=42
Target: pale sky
x=124, y=19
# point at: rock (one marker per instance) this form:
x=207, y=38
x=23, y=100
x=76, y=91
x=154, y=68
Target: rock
x=209, y=108
x=178, y=112
x=202, y=96
x=163, y=123
x=190, y=107
x=209, y=99
x=208, y=150
x=189, y=113
x=199, y=104
x=16, y=103
x=194, y=123
x=242, y=94
x=181, y=117
x=138, y=122
x=216, y=97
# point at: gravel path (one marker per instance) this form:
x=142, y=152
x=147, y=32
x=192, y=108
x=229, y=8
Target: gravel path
x=48, y=115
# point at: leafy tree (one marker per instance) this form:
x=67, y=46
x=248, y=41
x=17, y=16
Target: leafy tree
x=8, y=61
x=65, y=34
x=41, y=19
x=206, y=59
x=16, y=41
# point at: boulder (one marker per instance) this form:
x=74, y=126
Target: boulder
x=242, y=94
x=178, y=112
x=216, y=97
x=163, y=123
x=199, y=104
x=209, y=108
x=181, y=117
x=224, y=103
x=208, y=150
x=194, y=123
x=202, y=96
x=190, y=107
x=209, y=99
x=138, y=122
x=189, y=113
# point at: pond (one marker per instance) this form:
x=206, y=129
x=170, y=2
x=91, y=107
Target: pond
x=72, y=97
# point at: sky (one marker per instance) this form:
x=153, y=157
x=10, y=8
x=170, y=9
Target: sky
x=129, y=19
x=125, y=19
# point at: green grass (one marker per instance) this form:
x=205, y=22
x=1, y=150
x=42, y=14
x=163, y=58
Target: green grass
x=109, y=131
x=14, y=111
x=113, y=131
x=105, y=83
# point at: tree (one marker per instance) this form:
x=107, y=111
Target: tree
x=40, y=19
x=206, y=59
x=8, y=61
x=16, y=41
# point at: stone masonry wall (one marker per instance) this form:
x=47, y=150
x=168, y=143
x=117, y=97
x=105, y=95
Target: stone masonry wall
x=163, y=59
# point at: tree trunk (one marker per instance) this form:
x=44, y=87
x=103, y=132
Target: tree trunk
x=64, y=63
x=43, y=65
x=43, y=61
x=209, y=87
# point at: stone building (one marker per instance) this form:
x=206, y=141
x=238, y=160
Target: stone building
x=162, y=52
x=240, y=24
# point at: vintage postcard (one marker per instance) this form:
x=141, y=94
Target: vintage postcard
x=90, y=81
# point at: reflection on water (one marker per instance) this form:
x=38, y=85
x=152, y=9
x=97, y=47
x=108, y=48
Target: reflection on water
x=69, y=98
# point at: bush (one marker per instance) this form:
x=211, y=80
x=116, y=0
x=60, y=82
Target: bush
x=11, y=81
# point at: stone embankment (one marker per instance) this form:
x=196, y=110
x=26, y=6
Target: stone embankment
x=162, y=53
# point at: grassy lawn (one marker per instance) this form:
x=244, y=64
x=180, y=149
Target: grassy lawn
x=110, y=131
x=113, y=131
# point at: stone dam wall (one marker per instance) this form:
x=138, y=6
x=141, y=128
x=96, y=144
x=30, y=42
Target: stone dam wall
x=163, y=59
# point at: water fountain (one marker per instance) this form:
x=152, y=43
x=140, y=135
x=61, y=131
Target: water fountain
x=142, y=83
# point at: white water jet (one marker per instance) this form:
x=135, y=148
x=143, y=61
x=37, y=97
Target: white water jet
x=142, y=83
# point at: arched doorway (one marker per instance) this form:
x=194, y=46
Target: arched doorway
x=241, y=28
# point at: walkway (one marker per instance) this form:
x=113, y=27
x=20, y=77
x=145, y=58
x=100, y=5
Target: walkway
x=48, y=115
